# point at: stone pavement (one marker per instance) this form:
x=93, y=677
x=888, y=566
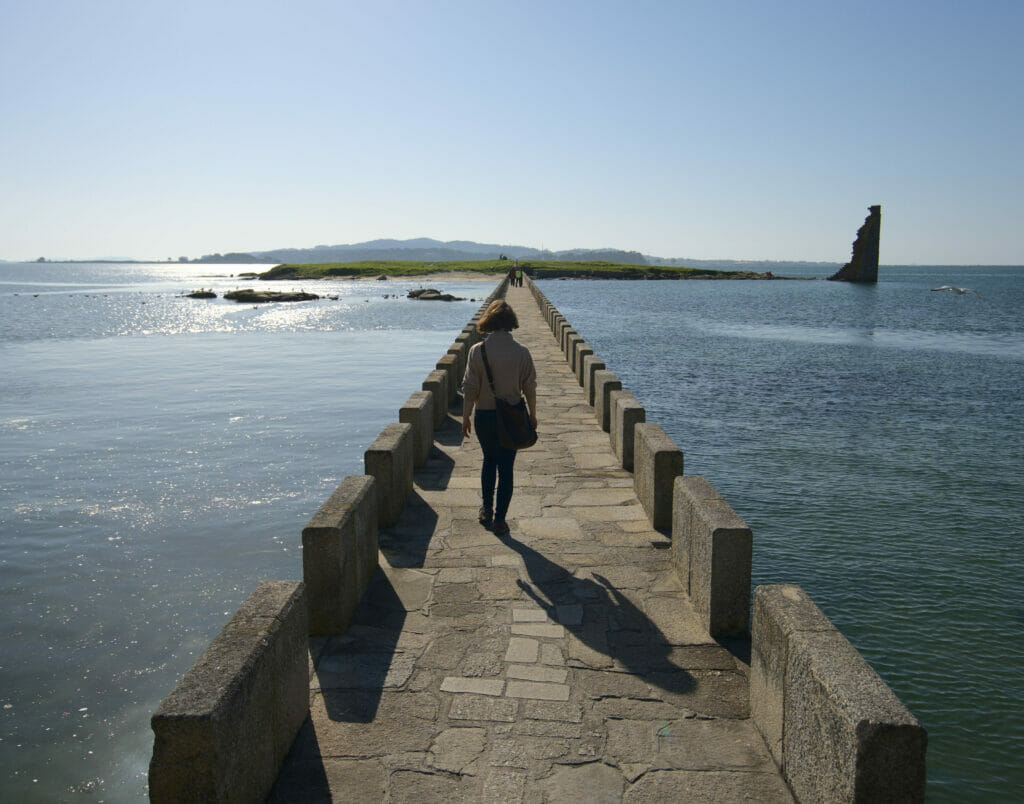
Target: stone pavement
x=563, y=663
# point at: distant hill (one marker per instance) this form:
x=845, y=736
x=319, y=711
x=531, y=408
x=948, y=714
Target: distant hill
x=425, y=249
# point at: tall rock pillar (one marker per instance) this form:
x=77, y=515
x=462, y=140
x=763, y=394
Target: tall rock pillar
x=863, y=265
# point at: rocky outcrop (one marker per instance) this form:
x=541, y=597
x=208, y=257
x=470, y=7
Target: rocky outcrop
x=200, y=294
x=430, y=294
x=262, y=296
x=863, y=265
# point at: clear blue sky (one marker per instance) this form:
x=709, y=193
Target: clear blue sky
x=748, y=130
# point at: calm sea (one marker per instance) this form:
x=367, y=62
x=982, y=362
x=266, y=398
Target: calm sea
x=160, y=455
x=873, y=439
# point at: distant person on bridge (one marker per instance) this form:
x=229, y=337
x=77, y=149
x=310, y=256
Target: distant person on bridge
x=514, y=376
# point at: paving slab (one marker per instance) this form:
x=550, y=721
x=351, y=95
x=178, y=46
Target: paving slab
x=561, y=663
x=537, y=690
x=521, y=649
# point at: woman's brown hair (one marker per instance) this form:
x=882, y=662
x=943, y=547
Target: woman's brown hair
x=498, y=315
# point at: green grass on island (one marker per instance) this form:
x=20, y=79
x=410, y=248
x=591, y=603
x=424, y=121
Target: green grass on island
x=538, y=269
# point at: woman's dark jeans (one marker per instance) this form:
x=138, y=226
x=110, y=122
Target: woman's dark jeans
x=498, y=462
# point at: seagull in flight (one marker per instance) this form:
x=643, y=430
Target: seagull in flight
x=958, y=291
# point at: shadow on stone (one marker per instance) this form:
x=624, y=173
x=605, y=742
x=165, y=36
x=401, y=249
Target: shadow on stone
x=354, y=669
x=303, y=776
x=435, y=472
x=405, y=543
x=450, y=432
x=606, y=622
x=739, y=647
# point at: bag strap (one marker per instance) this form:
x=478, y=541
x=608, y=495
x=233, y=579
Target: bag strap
x=487, y=367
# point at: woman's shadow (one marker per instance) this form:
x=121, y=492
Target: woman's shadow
x=603, y=619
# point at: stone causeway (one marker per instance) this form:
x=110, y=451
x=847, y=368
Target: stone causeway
x=563, y=663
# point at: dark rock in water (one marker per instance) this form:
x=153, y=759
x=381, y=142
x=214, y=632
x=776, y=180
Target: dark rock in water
x=261, y=296
x=200, y=294
x=382, y=278
x=431, y=294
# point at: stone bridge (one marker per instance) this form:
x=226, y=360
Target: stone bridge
x=601, y=652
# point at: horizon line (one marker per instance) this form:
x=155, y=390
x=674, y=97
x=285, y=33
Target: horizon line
x=198, y=261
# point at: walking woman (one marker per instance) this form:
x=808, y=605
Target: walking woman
x=514, y=376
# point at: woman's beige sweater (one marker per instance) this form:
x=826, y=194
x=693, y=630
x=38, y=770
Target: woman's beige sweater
x=511, y=366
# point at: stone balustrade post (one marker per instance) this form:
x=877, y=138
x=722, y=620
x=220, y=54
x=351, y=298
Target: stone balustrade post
x=604, y=383
x=449, y=364
x=583, y=351
x=626, y=413
x=836, y=730
x=711, y=551
x=437, y=384
x=226, y=727
x=339, y=554
x=418, y=413
x=657, y=461
x=572, y=342
x=389, y=460
x=591, y=365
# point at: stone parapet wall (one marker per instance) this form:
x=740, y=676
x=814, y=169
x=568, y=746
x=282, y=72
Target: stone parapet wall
x=626, y=413
x=436, y=384
x=604, y=383
x=834, y=728
x=339, y=554
x=222, y=733
x=571, y=345
x=657, y=462
x=418, y=413
x=449, y=364
x=460, y=349
x=389, y=460
x=711, y=551
x=583, y=351
x=591, y=365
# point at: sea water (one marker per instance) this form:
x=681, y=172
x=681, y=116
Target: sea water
x=872, y=437
x=159, y=457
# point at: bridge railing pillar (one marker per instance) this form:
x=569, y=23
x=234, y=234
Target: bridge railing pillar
x=835, y=729
x=657, y=461
x=226, y=727
x=711, y=551
x=389, y=460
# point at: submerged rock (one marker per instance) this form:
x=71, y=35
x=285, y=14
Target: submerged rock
x=262, y=296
